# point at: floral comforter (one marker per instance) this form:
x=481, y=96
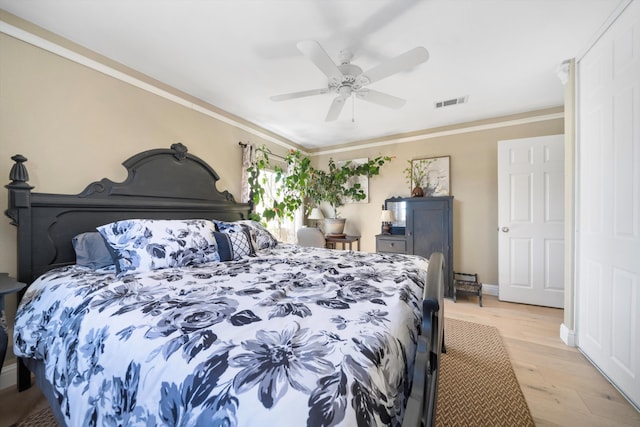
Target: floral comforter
x=292, y=337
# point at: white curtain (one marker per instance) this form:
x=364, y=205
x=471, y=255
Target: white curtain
x=248, y=157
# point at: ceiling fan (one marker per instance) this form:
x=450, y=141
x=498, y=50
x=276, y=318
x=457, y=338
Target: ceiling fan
x=348, y=79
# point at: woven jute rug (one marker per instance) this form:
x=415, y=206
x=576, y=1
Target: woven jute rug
x=477, y=384
x=39, y=418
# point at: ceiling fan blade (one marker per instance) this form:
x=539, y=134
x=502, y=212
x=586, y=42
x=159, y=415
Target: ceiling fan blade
x=402, y=62
x=335, y=109
x=321, y=59
x=380, y=98
x=301, y=94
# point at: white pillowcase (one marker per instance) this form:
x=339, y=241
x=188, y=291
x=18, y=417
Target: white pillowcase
x=147, y=244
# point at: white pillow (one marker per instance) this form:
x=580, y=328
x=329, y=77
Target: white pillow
x=146, y=244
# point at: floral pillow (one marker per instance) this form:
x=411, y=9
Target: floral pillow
x=146, y=244
x=260, y=236
x=234, y=246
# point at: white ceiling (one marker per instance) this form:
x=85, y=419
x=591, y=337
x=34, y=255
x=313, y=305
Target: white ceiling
x=235, y=54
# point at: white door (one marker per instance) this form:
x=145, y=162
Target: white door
x=531, y=220
x=608, y=205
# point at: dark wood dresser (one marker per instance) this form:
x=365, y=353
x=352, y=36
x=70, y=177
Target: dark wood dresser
x=423, y=225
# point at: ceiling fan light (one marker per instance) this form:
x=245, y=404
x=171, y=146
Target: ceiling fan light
x=345, y=91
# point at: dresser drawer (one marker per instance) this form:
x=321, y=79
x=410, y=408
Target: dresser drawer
x=386, y=244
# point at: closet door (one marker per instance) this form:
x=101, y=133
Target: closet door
x=608, y=206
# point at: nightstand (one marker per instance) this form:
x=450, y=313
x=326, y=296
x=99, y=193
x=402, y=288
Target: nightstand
x=8, y=285
x=391, y=243
x=331, y=242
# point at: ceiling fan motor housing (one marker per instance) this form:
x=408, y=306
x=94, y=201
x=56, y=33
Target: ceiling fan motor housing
x=350, y=73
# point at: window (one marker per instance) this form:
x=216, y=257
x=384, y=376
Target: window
x=284, y=230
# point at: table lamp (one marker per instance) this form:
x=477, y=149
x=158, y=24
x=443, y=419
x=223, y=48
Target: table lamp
x=387, y=218
x=316, y=214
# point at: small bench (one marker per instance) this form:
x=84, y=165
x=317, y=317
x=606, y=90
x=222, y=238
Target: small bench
x=467, y=283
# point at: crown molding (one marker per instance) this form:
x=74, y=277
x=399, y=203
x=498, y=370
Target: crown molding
x=437, y=134
x=57, y=49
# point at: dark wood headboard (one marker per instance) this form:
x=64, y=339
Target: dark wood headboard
x=161, y=184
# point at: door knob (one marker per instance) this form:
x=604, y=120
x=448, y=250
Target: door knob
x=505, y=229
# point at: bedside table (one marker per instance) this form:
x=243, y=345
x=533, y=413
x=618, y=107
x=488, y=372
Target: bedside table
x=331, y=242
x=391, y=243
x=8, y=285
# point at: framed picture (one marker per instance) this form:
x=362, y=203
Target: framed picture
x=432, y=175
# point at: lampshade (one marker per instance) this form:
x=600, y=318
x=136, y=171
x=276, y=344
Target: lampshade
x=387, y=216
x=316, y=213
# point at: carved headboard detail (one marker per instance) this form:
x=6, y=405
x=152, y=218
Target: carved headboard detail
x=161, y=184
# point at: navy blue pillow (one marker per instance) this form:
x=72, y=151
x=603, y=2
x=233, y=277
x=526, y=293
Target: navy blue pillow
x=91, y=250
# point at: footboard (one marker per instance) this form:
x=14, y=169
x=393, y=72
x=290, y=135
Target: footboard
x=421, y=406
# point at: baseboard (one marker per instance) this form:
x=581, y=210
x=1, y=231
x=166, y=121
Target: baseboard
x=489, y=289
x=9, y=376
x=567, y=336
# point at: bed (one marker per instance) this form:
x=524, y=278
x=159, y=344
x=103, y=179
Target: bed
x=201, y=318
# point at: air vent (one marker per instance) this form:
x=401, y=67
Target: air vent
x=453, y=101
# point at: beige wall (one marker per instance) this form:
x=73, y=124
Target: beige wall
x=77, y=125
x=474, y=184
x=569, y=197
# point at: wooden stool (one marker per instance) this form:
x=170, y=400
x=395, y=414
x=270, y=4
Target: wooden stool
x=467, y=283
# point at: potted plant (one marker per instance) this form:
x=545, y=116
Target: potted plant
x=336, y=186
x=291, y=186
x=304, y=182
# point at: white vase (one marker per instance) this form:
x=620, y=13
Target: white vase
x=334, y=226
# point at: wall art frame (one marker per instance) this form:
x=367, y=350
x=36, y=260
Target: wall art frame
x=433, y=174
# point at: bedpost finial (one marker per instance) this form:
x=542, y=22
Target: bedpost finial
x=180, y=150
x=18, y=188
x=18, y=173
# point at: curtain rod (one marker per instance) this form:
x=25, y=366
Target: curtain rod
x=244, y=144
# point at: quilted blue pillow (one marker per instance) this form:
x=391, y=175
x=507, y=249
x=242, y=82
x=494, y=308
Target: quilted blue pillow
x=138, y=245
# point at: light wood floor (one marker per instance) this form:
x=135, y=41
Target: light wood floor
x=561, y=387
x=16, y=406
